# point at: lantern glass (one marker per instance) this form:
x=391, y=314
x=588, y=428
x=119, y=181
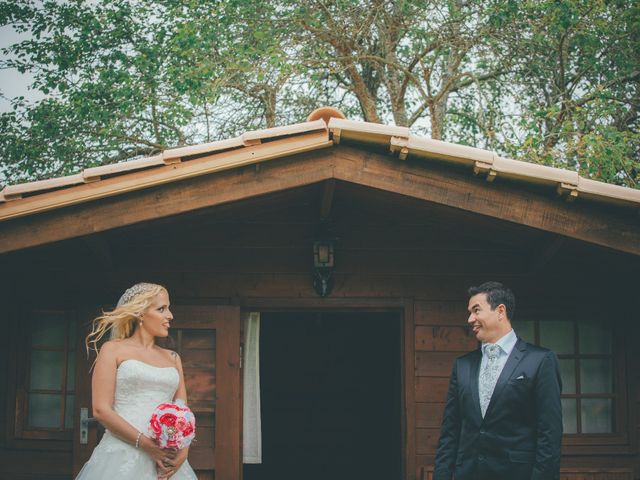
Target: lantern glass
x=323, y=254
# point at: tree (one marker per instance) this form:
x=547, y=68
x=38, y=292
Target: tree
x=406, y=58
x=553, y=82
x=109, y=86
x=576, y=85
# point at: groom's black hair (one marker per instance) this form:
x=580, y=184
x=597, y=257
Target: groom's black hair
x=496, y=294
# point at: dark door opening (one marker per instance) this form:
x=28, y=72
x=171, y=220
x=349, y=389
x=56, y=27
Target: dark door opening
x=331, y=389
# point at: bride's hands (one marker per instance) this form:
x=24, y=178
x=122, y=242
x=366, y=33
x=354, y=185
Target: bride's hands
x=178, y=460
x=161, y=456
x=165, y=468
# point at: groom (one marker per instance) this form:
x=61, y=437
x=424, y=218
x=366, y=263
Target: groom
x=503, y=418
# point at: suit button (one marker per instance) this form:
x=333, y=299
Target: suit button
x=481, y=458
x=482, y=432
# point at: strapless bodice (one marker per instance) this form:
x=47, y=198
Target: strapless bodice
x=140, y=388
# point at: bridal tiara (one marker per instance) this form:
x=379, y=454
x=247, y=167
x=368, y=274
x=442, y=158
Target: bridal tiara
x=134, y=291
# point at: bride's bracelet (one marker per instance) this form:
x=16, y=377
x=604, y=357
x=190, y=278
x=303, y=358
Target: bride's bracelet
x=138, y=439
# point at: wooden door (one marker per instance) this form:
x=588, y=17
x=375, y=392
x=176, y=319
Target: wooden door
x=208, y=341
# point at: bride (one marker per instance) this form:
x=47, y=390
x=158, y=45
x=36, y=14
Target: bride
x=132, y=376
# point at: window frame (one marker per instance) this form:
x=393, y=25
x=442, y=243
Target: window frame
x=577, y=443
x=21, y=430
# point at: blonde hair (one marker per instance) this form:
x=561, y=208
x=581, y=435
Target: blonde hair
x=121, y=321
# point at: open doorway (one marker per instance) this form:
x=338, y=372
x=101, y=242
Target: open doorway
x=331, y=390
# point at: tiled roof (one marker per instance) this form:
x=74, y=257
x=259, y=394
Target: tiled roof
x=267, y=144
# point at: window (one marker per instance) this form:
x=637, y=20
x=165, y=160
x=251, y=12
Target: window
x=589, y=369
x=45, y=389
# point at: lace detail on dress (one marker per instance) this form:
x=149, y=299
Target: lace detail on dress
x=128, y=457
x=140, y=388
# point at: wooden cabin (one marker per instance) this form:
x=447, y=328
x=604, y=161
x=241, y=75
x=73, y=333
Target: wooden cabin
x=354, y=244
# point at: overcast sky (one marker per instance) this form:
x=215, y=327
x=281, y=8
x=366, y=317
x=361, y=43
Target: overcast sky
x=12, y=83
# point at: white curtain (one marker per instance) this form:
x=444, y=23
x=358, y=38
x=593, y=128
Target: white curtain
x=251, y=423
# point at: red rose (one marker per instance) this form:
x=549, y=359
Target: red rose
x=168, y=419
x=155, y=425
x=180, y=424
x=188, y=430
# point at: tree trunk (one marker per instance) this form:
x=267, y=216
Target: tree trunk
x=436, y=114
x=269, y=101
x=366, y=100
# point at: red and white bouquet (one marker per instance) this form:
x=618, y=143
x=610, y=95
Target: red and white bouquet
x=172, y=425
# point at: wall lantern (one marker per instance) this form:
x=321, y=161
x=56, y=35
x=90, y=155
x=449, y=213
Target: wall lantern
x=323, y=264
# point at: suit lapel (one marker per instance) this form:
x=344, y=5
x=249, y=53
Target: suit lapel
x=517, y=354
x=473, y=381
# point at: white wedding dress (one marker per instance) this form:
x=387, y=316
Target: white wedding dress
x=140, y=388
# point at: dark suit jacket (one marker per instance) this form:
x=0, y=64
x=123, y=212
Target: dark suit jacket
x=519, y=437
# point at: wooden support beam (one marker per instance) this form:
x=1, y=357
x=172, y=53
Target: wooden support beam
x=569, y=192
x=336, y=135
x=172, y=198
x=182, y=171
x=327, y=198
x=600, y=224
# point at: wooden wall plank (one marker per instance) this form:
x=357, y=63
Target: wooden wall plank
x=8, y=318
x=205, y=475
x=83, y=394
x=40, y=464
x=228, y=447
x=442, y=313
x=435, y=364
x=427, y=440
x=445, y=339
x=431, y=389
x=429, y=415
x=288, y=259
x=408, y=394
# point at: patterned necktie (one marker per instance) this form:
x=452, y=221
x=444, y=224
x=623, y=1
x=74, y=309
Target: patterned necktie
x=489, y=375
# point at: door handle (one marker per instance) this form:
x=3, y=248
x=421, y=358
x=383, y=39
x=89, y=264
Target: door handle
x=85, y=420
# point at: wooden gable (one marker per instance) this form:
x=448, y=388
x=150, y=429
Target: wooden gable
x=530, y=205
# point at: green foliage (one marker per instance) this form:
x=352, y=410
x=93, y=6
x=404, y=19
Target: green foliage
x=576, y=88
x=549, y=81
